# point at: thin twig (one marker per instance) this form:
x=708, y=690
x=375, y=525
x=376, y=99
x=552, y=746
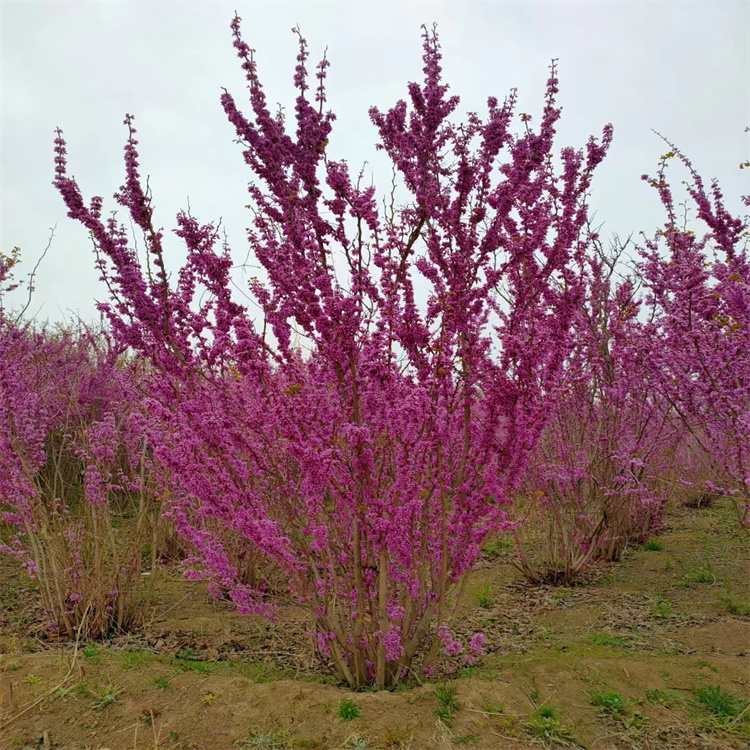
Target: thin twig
x=33, y=274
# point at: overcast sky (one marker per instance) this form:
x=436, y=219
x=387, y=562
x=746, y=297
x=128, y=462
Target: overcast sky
x=682, y=68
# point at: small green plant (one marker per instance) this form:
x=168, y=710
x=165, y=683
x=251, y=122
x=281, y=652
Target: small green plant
x=91, y=653
x=82, y=690
x=702, y=663
x=33, y=679
x=132, y=659
x=494, y=708
x=104, y=697
x=736, y=608
x=186, y=659
x=720, y=702
x=534, y=695
x=635, y=722
x=612, y=703
x=545, y=724
x=445, y=695
x=186, y=654
x=662, y=609
x=668, y=565
x=396, y=737
x=496, y=547
x=445, y=715
x=199, y=667
x=162, y=683
x=465, y=739
x=174, y=736
x=208, y=698
x=273, y=738
x=347, y=710
x=484, y=599
x=703, y=574
x=479, y=671
x=610, y=641
x=13, y=666
x=653, y=545
x=661, y=697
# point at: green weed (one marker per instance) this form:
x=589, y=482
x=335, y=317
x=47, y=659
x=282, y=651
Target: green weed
x=104, y=697
x=446, y=696
x=662, y=609
x=186, y=659
x=447, y=703
x=707, y=664
x=82, y=690
x=274, y=738
x=653, y=545
x=635, y=722
x=545, y=724
x=187, y=654
x=662, y=698
x=162, y=683
x=496, y=547
x=465, y=739
x=612, y=703
x=484, y=600
x=734, y=607
x=720, y=702
x=348, y=710
x=91, y=653
x=703, y=574
x=610, y=641
x=479, y=671
x=133, y=659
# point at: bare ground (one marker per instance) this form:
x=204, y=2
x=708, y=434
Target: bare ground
x=653, y=630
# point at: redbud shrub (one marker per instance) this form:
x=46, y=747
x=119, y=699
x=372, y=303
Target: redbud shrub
x=368, y=429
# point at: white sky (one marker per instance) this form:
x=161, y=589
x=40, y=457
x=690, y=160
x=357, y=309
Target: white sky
x=682, y=68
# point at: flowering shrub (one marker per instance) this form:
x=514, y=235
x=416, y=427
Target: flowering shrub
x=697, y=340
x=371, y=470
x=70, y=443
x=596, y=480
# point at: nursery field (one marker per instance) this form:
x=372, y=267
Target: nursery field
x=652, y=652
x=450, y=472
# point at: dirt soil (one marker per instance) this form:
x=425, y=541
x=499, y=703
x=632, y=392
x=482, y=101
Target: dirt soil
x=644, y=636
